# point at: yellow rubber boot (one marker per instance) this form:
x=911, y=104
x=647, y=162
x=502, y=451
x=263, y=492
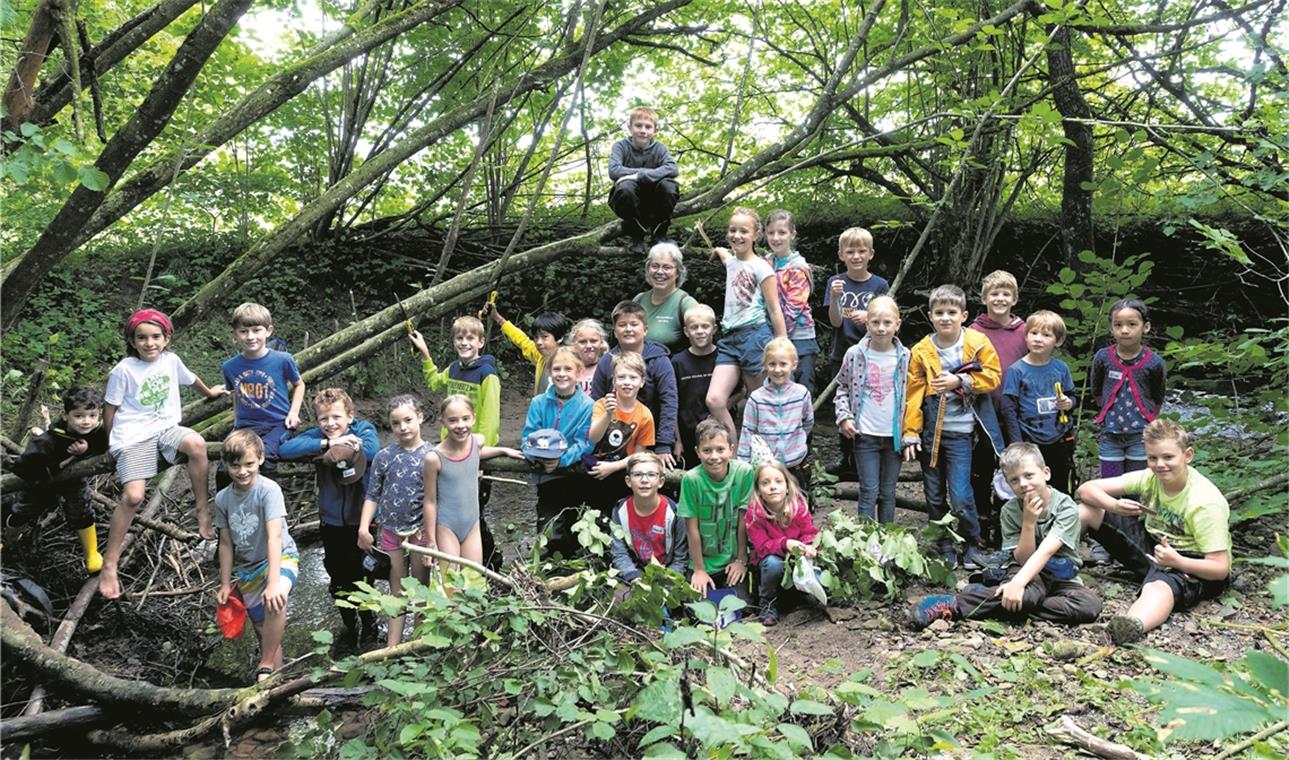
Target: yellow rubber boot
x=89, y=542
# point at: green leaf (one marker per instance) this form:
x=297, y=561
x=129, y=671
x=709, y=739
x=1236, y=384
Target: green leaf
x=772, y=665
x=659, y=701
x=1206, y=713
x=601, y=731
x=656, y=733
x=1270, y=671
x=810, y=707
x=927, y=658
x=683, y=637
x=721, y=683
x=668, y=751
x=404, y=688
x=93, y=179
x=1182, y=668
x=28, y=129
x=714, y=731
x=798, y=738
x=1279, y=588
x=410, y=733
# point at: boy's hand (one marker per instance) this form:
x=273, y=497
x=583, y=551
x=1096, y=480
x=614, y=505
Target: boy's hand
x=858, y=316
x=1012, y=594
x=668, y=461
x=1064, y=403
x=419, y=343
x=1166, y=555
x=225, y=591
x=945, y=382
x=911, y=451
x=215, y=391
x=348, y=439
x=735, y=572
x=1128, y=507
x=835, y=290
x=702, y=582
x=78, y=448
x=601, y=470
x=274, y=598
x=848, y=428
x=292, y=421
x=625, y=177
x=677, y=451
x=1033, y=508
x=365, y=540
x=611, y=402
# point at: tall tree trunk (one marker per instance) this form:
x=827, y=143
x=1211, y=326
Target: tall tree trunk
x=137, y=134
x=18, y=101
x=1076, y=187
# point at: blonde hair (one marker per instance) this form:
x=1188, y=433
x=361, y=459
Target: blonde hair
x=239, y=443
x=644, y=111
x=251, y=315
x=642, y=457
x=950, y=295
x=568, y=353
x=455, y=398
x=999, y=279
x=1017, y=454
x=793, y=501
x=1047, y=320
x=595, y=326
x=629, y=360
x=855, y=236
x=781, y=346
x=700, y=310
x=745, y=211
x=883, y=303
x=468, y=325
x=1163, y=429
x=332, y=396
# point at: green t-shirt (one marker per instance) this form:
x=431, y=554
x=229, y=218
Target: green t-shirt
x=1061, y=520
x=666, y=321
x=718, y=505
x=1196, y=520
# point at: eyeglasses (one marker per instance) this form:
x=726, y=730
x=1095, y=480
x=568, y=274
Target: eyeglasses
x=662, y=268
x=646, y=475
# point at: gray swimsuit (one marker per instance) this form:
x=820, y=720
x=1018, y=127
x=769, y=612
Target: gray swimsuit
x=458, y=491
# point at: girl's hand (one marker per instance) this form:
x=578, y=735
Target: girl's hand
x=514, y=453
x=809, y=551
x=601, y=470
x=848, y=428
x=735, y=572
x=215, y=391
x=702, y=582
x=1166, y=555
x=225, y=591
x=365, y=540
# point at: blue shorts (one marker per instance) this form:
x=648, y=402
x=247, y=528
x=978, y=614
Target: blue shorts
x=745, y=347
x=251, y=584
x=1116, y=447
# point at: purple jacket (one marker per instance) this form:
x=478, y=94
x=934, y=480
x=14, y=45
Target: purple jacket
x=1009, y=343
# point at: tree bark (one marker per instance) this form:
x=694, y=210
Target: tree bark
x=1076, y=186
x=18, y=101
x=137, y=134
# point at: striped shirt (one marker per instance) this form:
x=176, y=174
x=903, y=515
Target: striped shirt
x=783, y=416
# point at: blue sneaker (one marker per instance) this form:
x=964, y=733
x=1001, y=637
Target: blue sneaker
x=974, y=559
x=932, y=608
x=949, y=553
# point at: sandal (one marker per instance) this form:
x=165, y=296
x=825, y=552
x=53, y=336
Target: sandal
x=263, y=674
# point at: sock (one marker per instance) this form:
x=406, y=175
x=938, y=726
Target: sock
x=89, y=542
x=1111, y=468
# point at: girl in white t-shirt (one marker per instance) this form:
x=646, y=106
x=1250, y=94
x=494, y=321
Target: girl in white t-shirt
x=870, y=407
x=751, y=297
x=141, y=414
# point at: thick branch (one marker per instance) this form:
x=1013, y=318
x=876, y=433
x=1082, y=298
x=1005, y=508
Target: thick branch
x=35, y=47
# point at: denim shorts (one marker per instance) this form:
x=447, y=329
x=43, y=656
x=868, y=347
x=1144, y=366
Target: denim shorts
x=745, y=347
x=1116, y=447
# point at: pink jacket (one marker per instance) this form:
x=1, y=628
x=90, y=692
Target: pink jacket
x=1008, y=341
x=767, y=537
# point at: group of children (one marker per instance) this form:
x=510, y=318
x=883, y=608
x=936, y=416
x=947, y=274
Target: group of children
x=605, y=425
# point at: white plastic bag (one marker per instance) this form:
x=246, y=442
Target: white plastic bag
x=804, y=579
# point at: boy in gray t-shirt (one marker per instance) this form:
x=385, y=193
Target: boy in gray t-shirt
x=1040, y=527
x=251, y=517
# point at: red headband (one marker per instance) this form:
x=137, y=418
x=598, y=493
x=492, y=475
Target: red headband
x=148, y=315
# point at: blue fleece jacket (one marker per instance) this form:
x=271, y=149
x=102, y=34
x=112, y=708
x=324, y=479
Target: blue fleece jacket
x=570, y=416
x=338, y=504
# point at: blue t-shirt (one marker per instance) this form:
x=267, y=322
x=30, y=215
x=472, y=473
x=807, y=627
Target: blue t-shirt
x=854, y=297
x=1029, y=401
x=261, y=399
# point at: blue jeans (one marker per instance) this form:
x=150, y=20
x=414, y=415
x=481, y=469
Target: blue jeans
x=807, y=350
x=1120, y=453
x=771, y=572
x=952, y=473
x=879, y=470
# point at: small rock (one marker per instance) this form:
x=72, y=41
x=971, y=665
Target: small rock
x=1069, y=649
x=882, y=623
x=1101, y=674
x=1005, y=685
x=939, y=626
x=973, y=642
x=1068, y=668
x=1191, y=627
x=1240, y=582
x=838, y=614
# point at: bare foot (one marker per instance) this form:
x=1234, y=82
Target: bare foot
x=108, y=584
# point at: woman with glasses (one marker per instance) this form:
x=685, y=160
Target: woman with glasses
x=665, y=303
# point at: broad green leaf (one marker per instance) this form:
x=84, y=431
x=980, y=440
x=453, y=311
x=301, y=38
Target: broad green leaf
x=683, y=637
x=1269, y=670
x=797, y=737
x=1181, y=667
x=1209, y=714
x=721, y=683
x=713, y=731
x=810, y=707
x=93, y=179
x=656, y=733
x=927, y=658
x=659, y=701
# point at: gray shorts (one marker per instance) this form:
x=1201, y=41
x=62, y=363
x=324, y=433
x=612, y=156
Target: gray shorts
x=139, y=460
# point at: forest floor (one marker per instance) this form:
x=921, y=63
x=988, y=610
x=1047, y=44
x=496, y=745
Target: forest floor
x=1038, y=672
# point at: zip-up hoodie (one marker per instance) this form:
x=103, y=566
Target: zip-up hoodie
x=1008, y=341
x=783, y=416
x=658, y=391
x=921, y=407
x=479, y=383
x=623, y=553
x=849, y=400
x=338, y=504
x=769, y=539
x=570, y=416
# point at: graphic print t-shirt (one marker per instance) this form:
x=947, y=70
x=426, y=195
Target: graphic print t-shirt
x=648, y=532
x=245, y=514
x=261, y=399
x=877, y=413
x=146, y=397
x=628, y=432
